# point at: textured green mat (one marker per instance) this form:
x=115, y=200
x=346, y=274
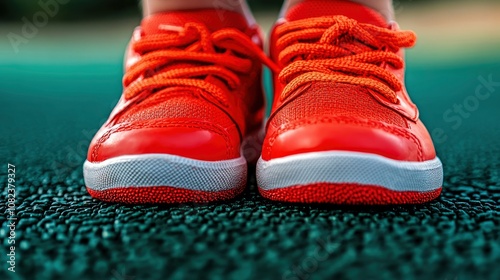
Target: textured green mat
x=48, y=115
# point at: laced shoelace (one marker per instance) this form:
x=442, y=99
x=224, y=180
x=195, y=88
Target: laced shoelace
x=340, y=50
x=188, y=57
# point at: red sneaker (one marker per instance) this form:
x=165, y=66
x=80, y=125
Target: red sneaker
x=192, y=95
x=342, y=128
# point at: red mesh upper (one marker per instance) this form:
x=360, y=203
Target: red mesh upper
x=174, y=104
x=317, y=8
x=323, y=99
x=214, y=19
x=184, y=102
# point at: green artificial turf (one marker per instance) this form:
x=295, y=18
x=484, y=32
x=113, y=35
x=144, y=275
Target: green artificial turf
x=48, y=115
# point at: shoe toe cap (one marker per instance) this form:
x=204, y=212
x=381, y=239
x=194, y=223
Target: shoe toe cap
x=194, y=140
x=333, y=134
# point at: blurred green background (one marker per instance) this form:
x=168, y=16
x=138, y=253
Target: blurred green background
x=96, y=31
x=92, y=9
x=58, y=86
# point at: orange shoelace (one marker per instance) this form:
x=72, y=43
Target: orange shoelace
x=187, y=57
x=340, y=50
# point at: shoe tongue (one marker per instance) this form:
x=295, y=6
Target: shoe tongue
x=319, y=8
x=214, y=19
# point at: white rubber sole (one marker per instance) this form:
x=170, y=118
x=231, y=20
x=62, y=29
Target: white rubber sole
x=349, y=167
x=151, y=170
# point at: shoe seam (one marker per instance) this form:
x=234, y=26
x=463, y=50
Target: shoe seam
x=189, y=124
x=346, y=120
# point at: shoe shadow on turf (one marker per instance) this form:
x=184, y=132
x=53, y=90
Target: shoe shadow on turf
x=354, y=208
